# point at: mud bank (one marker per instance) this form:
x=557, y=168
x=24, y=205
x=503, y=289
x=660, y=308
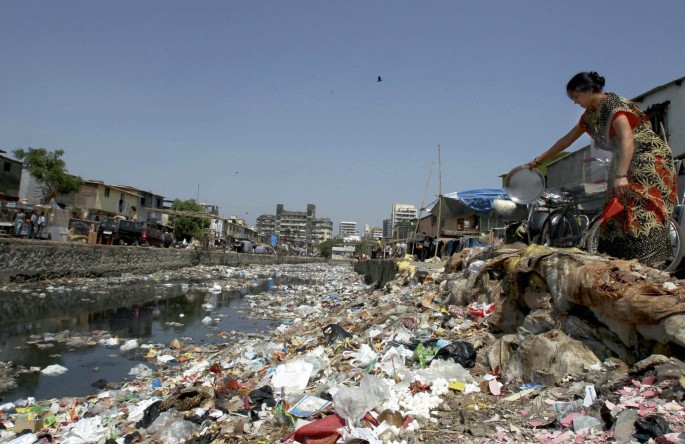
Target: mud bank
x=30, y=260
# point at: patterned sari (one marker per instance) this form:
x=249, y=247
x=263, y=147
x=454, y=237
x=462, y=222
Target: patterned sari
x=641, y=230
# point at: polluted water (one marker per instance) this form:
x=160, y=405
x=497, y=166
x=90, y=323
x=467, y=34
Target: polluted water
x=98, y=329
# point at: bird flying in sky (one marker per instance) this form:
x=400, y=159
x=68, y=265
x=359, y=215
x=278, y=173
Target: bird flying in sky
x=379, y=79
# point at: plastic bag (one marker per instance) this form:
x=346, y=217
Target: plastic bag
x=318, y=364
x=445, y=370
x=363, y=356
x=334, y=332
x=392, y=362
x=129, y=345
x=352, y=403
x=375, y=387
x=141, y=371
x=262, y=395
x=293, y=377
x=177, y=431
x=54, y=370
x=460, y=352
x=475, y=267
x=85, y=430
x=150, y=414
x=482, y=311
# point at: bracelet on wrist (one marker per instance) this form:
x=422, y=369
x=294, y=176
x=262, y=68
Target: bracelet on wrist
x=621, y=176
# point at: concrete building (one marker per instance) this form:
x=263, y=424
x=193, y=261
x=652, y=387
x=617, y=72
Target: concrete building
x=387, y=228
x=97, y=200
x=10, y=178
x=342, y=252
x=376, y=232
x=402, y=218
x=322, y=230
x=302, y=229
x=234, y=228
x=348, y=229
x=148, y=206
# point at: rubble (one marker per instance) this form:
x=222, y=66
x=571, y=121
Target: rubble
x=527, y=345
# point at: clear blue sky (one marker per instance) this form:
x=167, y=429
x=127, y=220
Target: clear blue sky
x=267, y=102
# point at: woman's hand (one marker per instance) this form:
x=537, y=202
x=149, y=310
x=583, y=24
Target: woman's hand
x=620, y=186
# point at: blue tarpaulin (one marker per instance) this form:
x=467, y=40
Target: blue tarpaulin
x=478, y=200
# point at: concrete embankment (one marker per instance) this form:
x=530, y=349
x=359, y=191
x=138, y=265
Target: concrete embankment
x=31, y=260
x=377, y=271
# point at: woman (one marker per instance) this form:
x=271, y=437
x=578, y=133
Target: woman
x=641, y=172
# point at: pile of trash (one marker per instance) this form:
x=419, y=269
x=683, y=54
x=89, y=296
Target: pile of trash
x=505, y=345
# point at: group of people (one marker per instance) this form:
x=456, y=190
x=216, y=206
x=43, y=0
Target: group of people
x=385, y=250
x=425, y=248
x=32, y=225
x=641, y=175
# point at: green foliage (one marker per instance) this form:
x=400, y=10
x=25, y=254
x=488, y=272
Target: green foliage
x=366, y=246
x=48, y=167
x=326, y=247
x=188, y=226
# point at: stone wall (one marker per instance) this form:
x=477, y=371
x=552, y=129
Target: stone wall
x=32, y=260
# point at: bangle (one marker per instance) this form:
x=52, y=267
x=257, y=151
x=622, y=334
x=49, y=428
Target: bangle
x=621, y=176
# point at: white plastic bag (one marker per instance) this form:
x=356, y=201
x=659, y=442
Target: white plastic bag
x=293, y=377
x=129, y=345
x=364, y=356
x=54, y=370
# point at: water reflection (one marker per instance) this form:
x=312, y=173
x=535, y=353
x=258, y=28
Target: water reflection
x=150, y=312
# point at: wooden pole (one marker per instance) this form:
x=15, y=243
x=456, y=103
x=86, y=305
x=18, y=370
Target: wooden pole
x=437, y=236
x=423, y=203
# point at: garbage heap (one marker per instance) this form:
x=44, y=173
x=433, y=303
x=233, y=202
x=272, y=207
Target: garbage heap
x=504, y=345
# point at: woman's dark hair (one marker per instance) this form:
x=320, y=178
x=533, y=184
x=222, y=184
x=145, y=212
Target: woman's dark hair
x=586, y=81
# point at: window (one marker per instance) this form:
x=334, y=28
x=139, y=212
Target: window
x=658, y=114
x=142, y=201
x=106, y=192
x=7, y=167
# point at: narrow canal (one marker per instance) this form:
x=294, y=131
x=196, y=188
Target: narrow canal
x=70, y=325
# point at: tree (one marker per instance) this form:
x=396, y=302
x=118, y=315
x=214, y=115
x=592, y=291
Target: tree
x=49, y=168
x=186, y=225
x=326, y=247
